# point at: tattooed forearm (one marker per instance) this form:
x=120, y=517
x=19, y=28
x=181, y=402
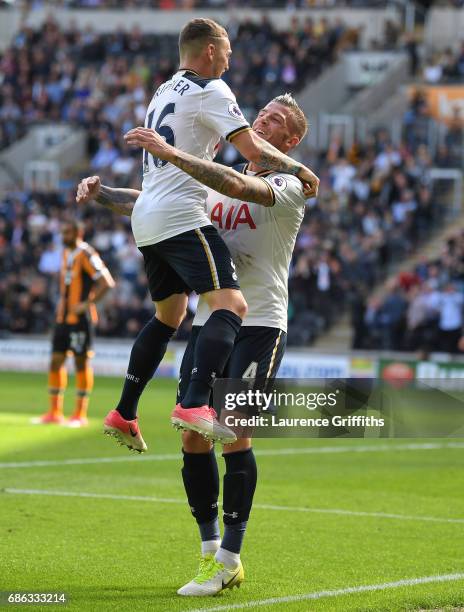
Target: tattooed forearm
x=256, y=190
x=120, y=201
x=222, y=179
x=272, y=159
x=209, y=173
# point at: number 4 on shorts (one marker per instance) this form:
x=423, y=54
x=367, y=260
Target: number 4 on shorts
x=251, y=370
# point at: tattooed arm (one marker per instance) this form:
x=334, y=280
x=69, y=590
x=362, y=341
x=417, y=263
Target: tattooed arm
x=120, y=201
x=218, y=177
x=265, y=155
x=225, y=180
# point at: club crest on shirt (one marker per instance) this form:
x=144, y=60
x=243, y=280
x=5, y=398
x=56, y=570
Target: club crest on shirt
x=278, y=182
x=235, y=111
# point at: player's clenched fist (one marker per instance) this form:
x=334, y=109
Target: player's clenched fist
x=88, y=189
x=149, y=140
x=310, y=182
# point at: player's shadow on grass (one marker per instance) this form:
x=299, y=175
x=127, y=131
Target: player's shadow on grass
x=151, y=597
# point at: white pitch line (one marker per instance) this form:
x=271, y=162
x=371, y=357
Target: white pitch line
x=258, y=506
x=402, y=517
x=258, y=452
x=160, y=500
x=334, y=593
x=88, y=461
x=359, y=449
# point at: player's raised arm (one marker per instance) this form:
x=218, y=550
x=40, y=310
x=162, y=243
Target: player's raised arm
x=221, y=113
x=265, y=155
x=221, y=178
x=118, y=200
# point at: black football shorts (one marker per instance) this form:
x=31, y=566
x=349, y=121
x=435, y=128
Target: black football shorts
x=256, y=355
x=76, y=338
x=197, y=260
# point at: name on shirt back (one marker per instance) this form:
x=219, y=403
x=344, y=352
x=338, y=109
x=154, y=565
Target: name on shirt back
x=179, y=87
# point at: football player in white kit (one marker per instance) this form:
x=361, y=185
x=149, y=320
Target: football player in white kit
x=261, y=239
x=181, y=248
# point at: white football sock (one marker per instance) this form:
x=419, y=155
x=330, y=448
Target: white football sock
x=229, y=559
x=210, y=547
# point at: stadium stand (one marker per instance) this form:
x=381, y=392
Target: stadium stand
x=376, y=203
x=445, y=66
x=170, y=5
x=422, y=309
x=377, y=206
x=105, y=81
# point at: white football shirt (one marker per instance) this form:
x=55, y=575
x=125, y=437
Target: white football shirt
x=192, y=114
x=261, y=241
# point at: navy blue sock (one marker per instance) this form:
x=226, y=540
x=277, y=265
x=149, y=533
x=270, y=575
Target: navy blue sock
x=210, y=530
x=239, y=488
x=146, y=355
x=233, y=537
x=212, y=351
x=201, y=482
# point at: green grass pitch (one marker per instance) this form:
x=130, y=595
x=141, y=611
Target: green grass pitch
x=112, y=552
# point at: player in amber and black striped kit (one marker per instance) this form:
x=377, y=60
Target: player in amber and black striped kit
x=84, y=280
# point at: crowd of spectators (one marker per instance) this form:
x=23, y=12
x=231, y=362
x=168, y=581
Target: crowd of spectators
x=104, y=82
x=418, y=309
x=447, y=3
x=422, y=310
x=170, y=5
x=376, y=199
x=446, y=66
x=376, y=205
x=420, y=129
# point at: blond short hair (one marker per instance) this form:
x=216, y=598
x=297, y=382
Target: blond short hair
x=197, y=33
x=299, y=119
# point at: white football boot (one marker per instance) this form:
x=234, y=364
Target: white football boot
x=212, y=578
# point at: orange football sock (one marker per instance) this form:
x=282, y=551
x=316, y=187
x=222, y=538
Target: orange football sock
x=57, y=381
x=84, y=385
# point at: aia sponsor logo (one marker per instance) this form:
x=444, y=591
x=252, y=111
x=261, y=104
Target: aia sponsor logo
x=232, y=217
